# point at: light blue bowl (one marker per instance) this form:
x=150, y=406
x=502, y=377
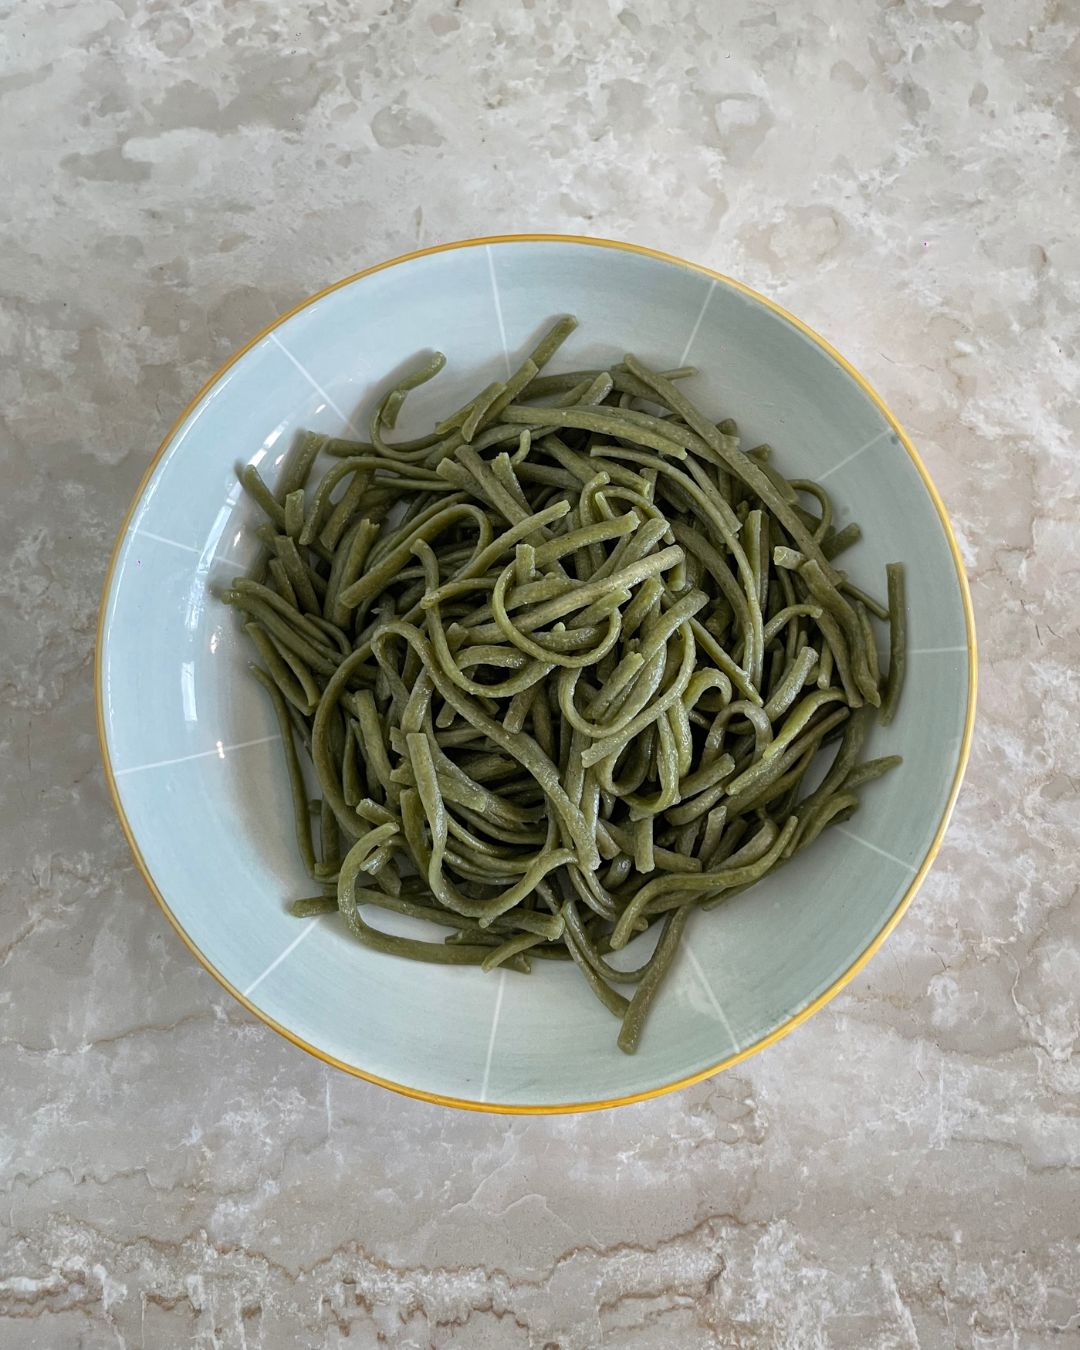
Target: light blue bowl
x=191, y=749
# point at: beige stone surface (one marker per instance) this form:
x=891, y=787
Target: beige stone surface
x=904, y=1170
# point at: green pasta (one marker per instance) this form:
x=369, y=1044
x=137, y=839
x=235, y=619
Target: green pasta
x=561, y=668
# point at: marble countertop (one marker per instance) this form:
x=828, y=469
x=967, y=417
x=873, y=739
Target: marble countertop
x=903, y=1170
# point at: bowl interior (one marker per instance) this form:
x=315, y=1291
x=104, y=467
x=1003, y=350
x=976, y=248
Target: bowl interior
x=193, y=745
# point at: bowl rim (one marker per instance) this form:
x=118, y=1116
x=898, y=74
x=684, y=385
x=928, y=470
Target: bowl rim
x=527, y=1109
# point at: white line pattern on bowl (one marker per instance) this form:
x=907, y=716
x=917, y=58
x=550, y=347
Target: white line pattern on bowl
x=710, y=994
x=697, y=322
x=498, y=308
x=161, y=539
x=491, y=1039
x=855, y=454
x=219, y=750
x=278, y=959
x=315, y=384
x=874, y=848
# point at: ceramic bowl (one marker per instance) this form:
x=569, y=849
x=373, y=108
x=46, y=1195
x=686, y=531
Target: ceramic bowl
x=192, y=752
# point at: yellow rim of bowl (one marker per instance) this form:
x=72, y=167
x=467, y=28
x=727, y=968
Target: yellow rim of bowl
x=838, y=984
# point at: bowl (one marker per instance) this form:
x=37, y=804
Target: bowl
x=192, y=754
